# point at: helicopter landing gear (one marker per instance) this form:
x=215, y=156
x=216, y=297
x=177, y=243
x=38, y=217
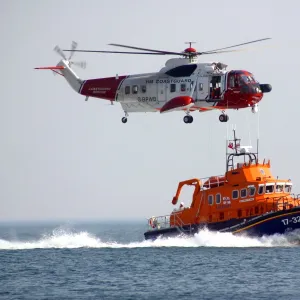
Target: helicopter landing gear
x=124, y=119
x=223, y=117
x=188, y=119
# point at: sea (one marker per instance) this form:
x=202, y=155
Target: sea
x=111, y=260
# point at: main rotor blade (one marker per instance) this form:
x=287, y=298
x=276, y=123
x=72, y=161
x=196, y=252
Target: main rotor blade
x=217, y=52
x=119, y=52
x=146, y=49
x=255, y=41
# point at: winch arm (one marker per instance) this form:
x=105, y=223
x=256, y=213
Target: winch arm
x=195, y=181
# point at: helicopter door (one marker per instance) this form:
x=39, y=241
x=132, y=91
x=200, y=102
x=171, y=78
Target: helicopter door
x=162, y=92
x=120, y=93
x=201, y=92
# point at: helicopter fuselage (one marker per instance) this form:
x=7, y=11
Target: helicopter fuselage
x=180, y=85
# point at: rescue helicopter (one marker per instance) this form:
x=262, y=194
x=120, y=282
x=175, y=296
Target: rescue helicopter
x=183, y=84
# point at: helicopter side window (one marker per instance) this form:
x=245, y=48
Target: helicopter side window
x=127, y=90
x=172, y=87
x=200, y=86
x=143, y=88
x=134, y=89
x=183, y=87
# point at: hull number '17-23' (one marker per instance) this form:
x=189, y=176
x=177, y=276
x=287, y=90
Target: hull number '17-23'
x=292, y=220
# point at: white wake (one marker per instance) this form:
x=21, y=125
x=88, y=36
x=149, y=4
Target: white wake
x=205, y=238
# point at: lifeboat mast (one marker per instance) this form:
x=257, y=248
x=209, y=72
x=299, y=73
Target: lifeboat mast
x=239, y=150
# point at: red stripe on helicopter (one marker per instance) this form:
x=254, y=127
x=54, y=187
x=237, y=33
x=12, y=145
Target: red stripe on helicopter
x=104, y=88
x=178, y=103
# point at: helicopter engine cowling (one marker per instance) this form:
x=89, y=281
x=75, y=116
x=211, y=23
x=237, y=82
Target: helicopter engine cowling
x=178, y=103
x=265, y=88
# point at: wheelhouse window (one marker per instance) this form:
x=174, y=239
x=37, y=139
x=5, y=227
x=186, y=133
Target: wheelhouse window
x=288, y=188
x=134, y=89
x=269, y=188
x=143, y=88
x=210, y=199
x=279, y=188
x=251, y=191
x=200, y=86
x=235, y=194
x=172, y=87
x=243, y=193
x=182, y=87
x=127, y=90
x=261, y=189
x=218, y=198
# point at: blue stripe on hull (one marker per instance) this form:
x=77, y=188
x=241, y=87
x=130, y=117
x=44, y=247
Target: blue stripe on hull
x=269, y=224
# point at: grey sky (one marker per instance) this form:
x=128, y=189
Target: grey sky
x=62, y=157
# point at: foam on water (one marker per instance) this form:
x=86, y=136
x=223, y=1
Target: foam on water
x=205, y=238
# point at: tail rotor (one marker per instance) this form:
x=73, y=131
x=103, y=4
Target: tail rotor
x=80, y=64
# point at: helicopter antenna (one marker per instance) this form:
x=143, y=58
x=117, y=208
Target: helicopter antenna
x=190, y=43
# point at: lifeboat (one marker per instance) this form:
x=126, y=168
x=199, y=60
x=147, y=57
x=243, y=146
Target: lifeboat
x=247, y=199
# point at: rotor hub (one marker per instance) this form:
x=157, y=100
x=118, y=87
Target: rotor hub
x=190, y=50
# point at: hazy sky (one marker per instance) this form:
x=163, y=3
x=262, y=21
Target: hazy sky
x=64, y=158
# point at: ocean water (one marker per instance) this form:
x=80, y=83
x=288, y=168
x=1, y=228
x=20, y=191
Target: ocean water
x=113, y=261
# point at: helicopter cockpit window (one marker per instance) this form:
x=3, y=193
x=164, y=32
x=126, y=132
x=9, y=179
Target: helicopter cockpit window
x=183, y=87
x=127, y=90
x=143, y=88
x=231, y=82
x=134, y=89
x=172, y=87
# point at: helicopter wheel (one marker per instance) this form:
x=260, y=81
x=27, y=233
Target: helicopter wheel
x=124, y=120
x=188, y=119
x=223, y=118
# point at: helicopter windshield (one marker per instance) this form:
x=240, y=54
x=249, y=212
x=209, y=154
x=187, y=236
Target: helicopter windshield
x=246, y=79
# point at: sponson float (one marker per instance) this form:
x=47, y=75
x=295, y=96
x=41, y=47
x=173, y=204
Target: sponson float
x=247, y=199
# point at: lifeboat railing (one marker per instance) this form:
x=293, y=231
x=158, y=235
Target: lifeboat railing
x=213, y=181
x=164, y=222
x=283, y=202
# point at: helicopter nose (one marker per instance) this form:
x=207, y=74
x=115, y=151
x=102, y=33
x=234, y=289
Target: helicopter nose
x=265, y=88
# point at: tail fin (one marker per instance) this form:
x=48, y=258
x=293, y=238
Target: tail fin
x=63, y=68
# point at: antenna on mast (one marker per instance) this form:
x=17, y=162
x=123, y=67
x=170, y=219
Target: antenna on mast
x=190, y=43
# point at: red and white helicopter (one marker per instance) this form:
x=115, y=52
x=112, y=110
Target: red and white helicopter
x=183, y=84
